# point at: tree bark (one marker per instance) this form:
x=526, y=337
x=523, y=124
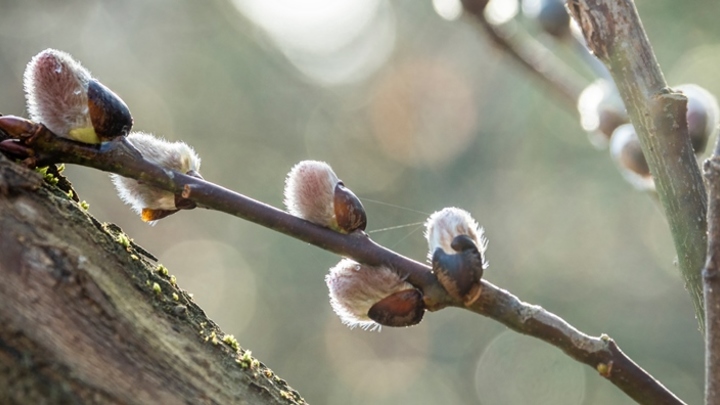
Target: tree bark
x=711, y=279
x=86, y=317
x=614, y=33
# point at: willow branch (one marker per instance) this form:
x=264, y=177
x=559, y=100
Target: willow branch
x=615, y=35
x=711, y=282
x=531, y=55
x=600, y=353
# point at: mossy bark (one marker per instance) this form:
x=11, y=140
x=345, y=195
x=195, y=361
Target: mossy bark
x=86, y=318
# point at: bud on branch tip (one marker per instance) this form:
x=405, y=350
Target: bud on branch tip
x=62, y=95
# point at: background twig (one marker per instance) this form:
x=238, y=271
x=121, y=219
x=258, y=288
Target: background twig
x=532, y=55
x=615, y=34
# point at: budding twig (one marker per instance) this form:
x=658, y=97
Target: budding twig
x=616, y=36
x=532, y=55
x=600, y=353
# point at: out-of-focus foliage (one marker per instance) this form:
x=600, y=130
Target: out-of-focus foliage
x=414, y=113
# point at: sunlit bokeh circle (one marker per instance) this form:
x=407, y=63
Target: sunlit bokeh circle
x=330, y=42
x=519, y=370
x=218, y=276
x=376, y=364
x=423, y=113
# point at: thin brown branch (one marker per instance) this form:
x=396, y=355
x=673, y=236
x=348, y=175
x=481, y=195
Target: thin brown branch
x=600, y=353
x=614, y=33
x=711, y=282
x=532, y=55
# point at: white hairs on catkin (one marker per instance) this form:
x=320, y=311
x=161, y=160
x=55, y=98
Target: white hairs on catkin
x=56, y=91
x=309, y=192
x=444, y=225
x=355, y=288
x=177, y=156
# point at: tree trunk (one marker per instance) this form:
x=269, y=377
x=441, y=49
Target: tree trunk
x=86, y=317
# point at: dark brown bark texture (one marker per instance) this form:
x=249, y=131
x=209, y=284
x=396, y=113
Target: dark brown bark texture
x=85, y=317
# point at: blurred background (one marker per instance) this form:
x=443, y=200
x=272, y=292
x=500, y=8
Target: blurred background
x=415, y=111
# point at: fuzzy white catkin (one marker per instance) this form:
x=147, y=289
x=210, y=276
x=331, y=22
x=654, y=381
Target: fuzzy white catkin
x=444, y=225
x=177, y=156
x=56, y=87
x=355, y=288
x=310, y=190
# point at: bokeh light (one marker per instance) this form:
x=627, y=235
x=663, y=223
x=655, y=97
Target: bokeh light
x=332, y=42
x=423, y=113
x=224, y=266
x=517, y=369
x=377, y=367
x=448, y=9
x=698, y=66
x=501, y=11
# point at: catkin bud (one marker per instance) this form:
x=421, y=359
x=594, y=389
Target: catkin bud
x=601, y=111
x=150, y=202
x=368, y=297
x=314, y=192
x=703, y=115
x=443, y=226
x=457, y=252
x=551, y=15
x=62, y=95
x=626, y=151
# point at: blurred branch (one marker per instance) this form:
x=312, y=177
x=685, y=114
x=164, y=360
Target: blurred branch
x=600, y=353
x=711, y=279
x=532, y=55
x=614, y=33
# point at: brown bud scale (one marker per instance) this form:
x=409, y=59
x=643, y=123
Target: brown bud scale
x=109, y=114
x=460, y=273
x=349, y=211
x=403, y=308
